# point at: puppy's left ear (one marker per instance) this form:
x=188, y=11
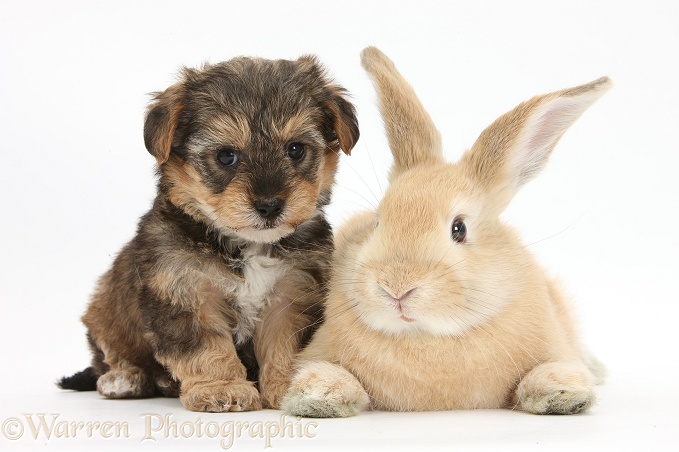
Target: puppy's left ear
x=340, y=126
x=162, y=119
x=343, y=117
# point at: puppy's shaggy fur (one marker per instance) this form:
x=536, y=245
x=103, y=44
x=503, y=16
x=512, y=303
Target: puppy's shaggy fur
x=222, y=283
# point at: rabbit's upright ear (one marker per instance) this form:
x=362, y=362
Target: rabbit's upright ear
x=515, y=148
x=413, y=138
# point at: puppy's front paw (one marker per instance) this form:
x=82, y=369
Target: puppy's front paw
x=273, y=393
x=323, y=389
x=221, y=396
x=273, y=384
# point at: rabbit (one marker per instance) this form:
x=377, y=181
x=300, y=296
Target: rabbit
x=434, y=303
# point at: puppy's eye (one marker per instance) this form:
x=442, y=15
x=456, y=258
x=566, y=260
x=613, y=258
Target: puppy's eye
x=227, y=156
x=458, y=231
x=295, y=151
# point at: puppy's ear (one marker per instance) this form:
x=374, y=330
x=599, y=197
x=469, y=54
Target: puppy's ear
x=161, y=122
x=343, y=119
x=341, y=126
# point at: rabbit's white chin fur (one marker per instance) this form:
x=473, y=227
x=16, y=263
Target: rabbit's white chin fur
x=389, y=320
x=413, y=327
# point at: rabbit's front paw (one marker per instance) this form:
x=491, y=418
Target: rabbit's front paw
x=556, y=388
x=561, y=402
x=322, y=389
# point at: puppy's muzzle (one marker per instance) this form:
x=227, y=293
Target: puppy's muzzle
x=269, y=209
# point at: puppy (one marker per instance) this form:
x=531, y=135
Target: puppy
x=223, y=282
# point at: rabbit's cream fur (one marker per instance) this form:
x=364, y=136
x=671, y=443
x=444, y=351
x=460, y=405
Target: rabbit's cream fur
x=418, y=321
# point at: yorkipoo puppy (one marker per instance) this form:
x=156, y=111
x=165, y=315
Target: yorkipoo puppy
x=224, y=281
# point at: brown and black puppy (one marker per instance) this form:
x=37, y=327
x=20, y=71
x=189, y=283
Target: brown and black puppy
x=226, y=273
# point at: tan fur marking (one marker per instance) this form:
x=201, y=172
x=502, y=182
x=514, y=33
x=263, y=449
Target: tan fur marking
x=231, y=129
x=301, y=203
x=329, y=169
x=299, y=124
x=187, y=190
x=230, y=209
x=234, y=206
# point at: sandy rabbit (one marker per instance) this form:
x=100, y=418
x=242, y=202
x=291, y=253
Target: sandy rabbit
x=434, y=303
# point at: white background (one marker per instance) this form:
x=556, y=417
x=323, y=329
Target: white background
x=75, y=177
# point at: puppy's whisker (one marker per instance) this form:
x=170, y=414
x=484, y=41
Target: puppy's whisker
x=361, y=179
x=377, y=179
x=370, y=203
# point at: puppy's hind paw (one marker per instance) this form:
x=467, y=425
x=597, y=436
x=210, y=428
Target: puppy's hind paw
x=125, y=383
x=221, y=396
x=325, y=390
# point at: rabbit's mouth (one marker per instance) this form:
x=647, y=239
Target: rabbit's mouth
x=400, y=304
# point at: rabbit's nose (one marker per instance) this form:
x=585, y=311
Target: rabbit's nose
x=397, y=295
x=404, y=295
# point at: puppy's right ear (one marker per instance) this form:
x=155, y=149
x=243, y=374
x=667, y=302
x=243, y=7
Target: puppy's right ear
x=161, y=122
x=345, y=124
x=340, y=125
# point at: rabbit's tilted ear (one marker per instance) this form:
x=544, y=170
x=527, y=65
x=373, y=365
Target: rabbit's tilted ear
x=512, y=150
x=412, y=135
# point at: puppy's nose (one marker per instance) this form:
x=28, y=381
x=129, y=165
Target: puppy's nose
x=269, y=208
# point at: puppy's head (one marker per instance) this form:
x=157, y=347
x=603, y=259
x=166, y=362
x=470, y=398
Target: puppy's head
x=251, y=146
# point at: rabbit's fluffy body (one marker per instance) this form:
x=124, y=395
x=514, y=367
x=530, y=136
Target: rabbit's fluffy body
x=434, y=303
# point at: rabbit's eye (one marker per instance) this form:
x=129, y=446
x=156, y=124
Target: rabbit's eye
x=458, y=231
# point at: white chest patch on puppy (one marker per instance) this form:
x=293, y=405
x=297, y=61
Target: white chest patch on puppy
x=260, y=274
